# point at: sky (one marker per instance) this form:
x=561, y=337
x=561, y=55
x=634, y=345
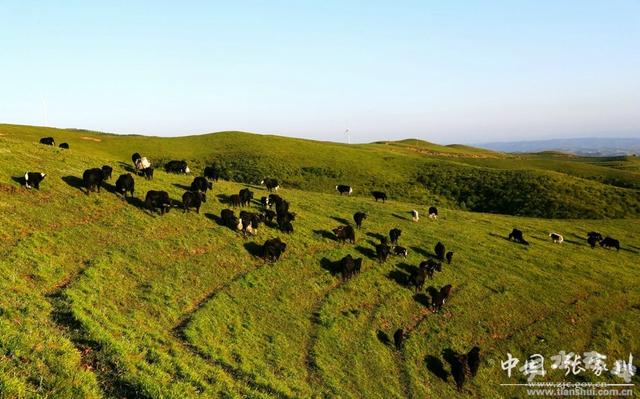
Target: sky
x=442, y=71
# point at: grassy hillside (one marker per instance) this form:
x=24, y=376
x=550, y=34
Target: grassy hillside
x=101, y=299
x=572, y=188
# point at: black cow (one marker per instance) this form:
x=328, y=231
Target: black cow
x=274, y=199
x=394, y=234
x=246, y=196
x=92, y=179
x=176, y=167
x=124, y=184
x=417, y=278
x=398, y=338
x=473, y=360
x=449, y=256
x=433, y=212
x=597, y=236
x=33, y=179
x=382, y=251
x=609, y=242
x=344, y=189
x=345, y=233
x=430, y=266
x=211, y=173
x=158, y=200
x=234, y=199
x=250, y=221
x=441, y=297
x=517, y=236
x=135, y=158
x=148, y=173
x=358, y=217
x=379, y=195
x=193, y=199
x=64, y=146
x=270, y=184
x=282, y=206
x=459, y=370
x=264, y=201
x=230, y=220
x=284, y=220
x=400, y=251
x=47, y=141
x=200, y=183
x=350, y=266
x=272, y=249
x=269, y=215
x=592, y=241
x=106, y=172
x=440, y=251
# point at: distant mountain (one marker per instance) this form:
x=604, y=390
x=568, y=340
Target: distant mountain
x=587, y=146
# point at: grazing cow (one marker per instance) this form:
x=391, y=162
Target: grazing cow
x=264, y=201
x=193, y=199
x=430, y=266
x=609, y=242
x=350, y=266
x=433, y=212
x=64, y=146
x=345, y=233
x=158, y=200
x=230, y=220
x=235, y=200
x=177, y=167
x=358, y=217
x=270, y=184
x=597, y=236
x=414, y=215
x=459, y=370
x=400, y=251
x=269, y=215
x=33, y=179
x=344, y=189
x=592, y=241
x=250, y=222
x=556, y=238
x=440, y=251
x=284, y=219
x=449, y=256
x=143, y=166
x=200, y=183
x=275, y=198
x=517, y=236
x=398, y=338
x=394, y=234
x=272, y=249
x=124, y=184
x=135, y=158
x=418, y=277
x=382, y=251
x=106, y=172
x=211, y=173
x=92, y=179
x=441, y=297
x=246, y=196
x=47, y=141
x=379, y=195
x=148, y=173
x=473, y=360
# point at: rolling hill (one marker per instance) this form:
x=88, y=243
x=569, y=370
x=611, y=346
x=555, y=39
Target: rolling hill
x=100, y=298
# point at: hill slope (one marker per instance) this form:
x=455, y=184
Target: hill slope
x=411, y=170
x=102, y=299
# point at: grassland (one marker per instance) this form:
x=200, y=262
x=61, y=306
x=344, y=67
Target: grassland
x=101, y=299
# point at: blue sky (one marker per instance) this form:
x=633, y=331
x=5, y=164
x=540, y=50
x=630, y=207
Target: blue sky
x=440, y=71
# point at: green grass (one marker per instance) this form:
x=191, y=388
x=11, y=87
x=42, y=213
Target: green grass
x=100, y=299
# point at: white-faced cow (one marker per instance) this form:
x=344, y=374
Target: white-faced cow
x=177, y=167
x=415, y=216
x=47, y=141
x=556, y=238
x=33, y=179
x=344, y=189
x=270, y=184
x=433, y=212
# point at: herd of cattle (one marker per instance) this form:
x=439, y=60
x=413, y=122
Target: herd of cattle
x=248, y=222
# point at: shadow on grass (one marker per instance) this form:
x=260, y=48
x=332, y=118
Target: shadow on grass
x=215, y=218
x=253, y=248
x=325, y=234
x=400, y=216
x=407, y=267
x=383, y=337
x=224, y=199
x=340, y=220
x=75, y=182
x=435, y=366
x=182, y=186
x=368, y=252
x=422, y=299
x=399, y=277
x=20, y=180
x=423, y=252
x=331, y=266
x=377, y=236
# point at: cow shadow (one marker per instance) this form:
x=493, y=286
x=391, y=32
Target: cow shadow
x=399, y=277
x=182, y=186
x=423, y=252
x=138, y=203
x=449, y=355
x=435, y=366
x=422, y=299
x=253, y=248
x=506, y=238
x=400, y=216
x=368, y=252
x=223, y=198
x=383, y=337
x=214, y=217
x=128, y=167
x=629, y=250
x=377, y=236
x=326, y=234
x=75, y=182
x=340, y=220
x=407, y=267
x=331, y=266
x=110, y=188
x=20, y=180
